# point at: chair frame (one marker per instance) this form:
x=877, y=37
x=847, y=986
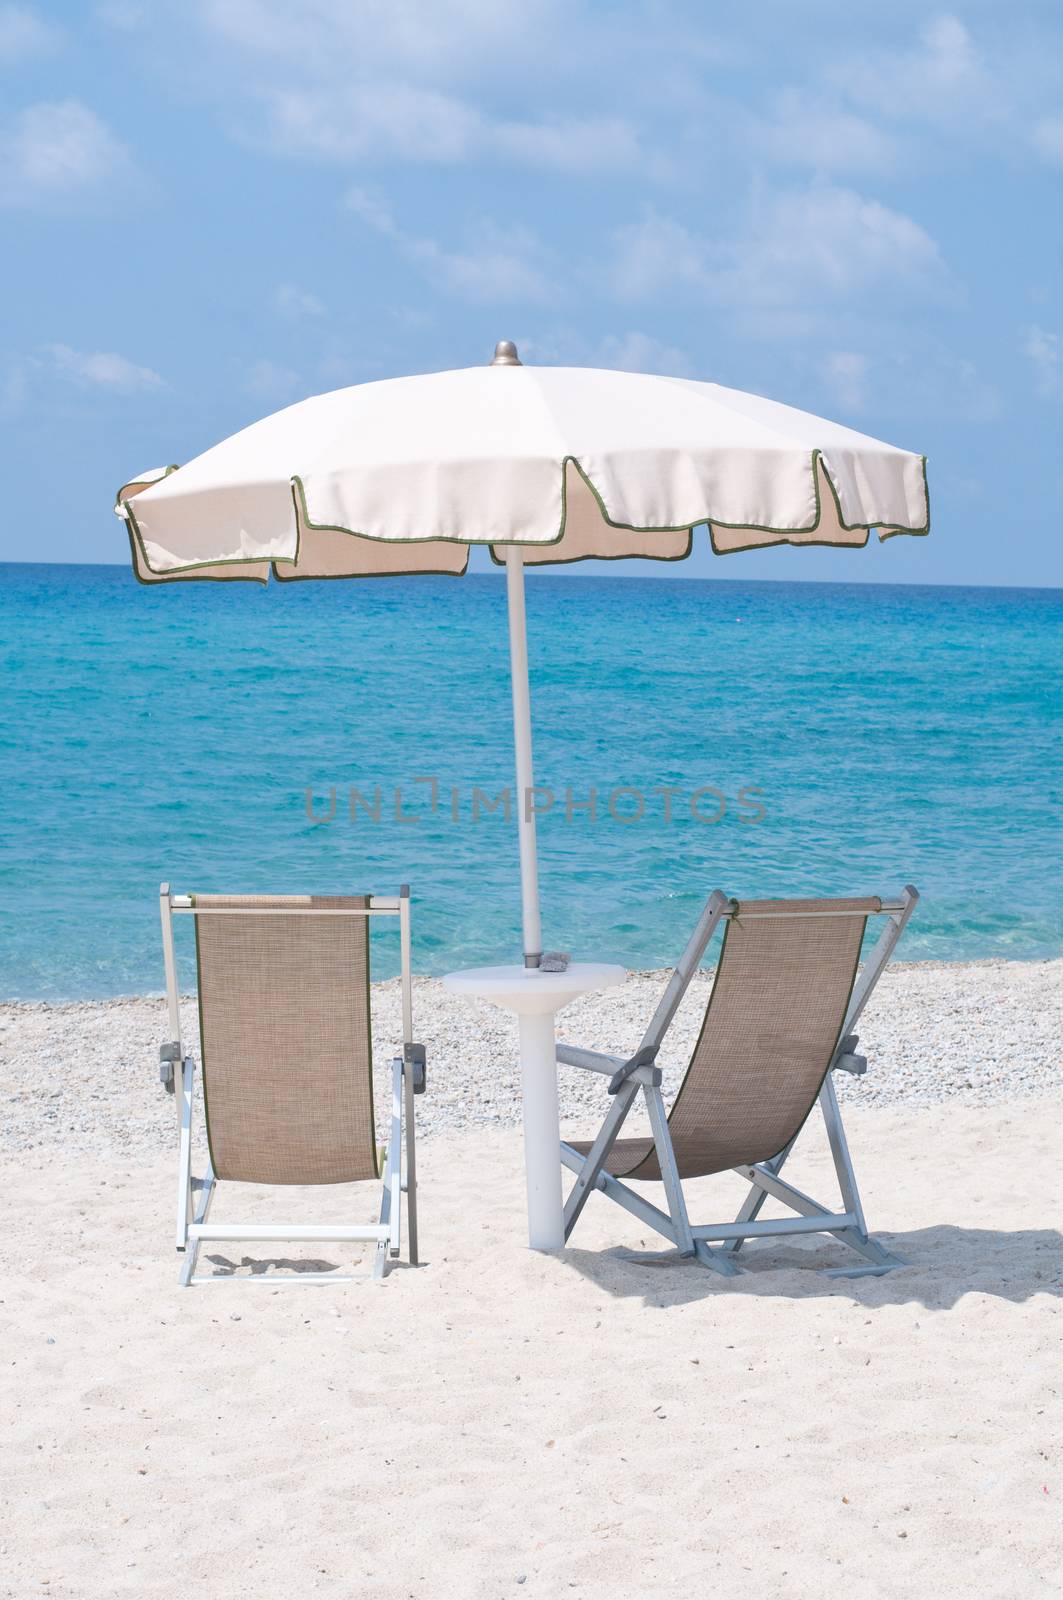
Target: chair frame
x=407, y=1079
x=717, y=1245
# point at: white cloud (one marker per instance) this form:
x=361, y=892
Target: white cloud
x=641, y=352
x=870, y=111
x=372, y=212
x=24, y=34
x=1045, y=350
x=269, y=380
x=942, y=78
x=57, y=151
x=353, y=123
x=1048, y=138
x=633, y=351
x=846, y=374
x=952, y=90
x=797, y=246
x=501, y=264
x=297, y=303
x=949, y=56
x=831, y=239
x=571, y=144
x=802, y=133
x=389, y=81
x=334, y=36
x=651, y=255
x=102, y=370
x=498, y=267
x=396, y=121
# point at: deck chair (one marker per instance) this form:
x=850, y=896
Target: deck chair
x=287, y=1065
x=778, y=1025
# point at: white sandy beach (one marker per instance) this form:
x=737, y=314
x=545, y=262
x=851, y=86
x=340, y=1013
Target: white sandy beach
x=501, y=1422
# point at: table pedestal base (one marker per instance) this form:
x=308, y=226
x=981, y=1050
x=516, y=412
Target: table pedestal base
x=537, y=997
x=542, y=1160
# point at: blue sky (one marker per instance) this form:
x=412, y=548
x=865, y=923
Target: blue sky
x=212, y=209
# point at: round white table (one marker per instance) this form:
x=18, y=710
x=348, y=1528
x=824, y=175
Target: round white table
x=537, y=997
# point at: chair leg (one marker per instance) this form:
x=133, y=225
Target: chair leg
x=591, y=1174
x=411, y=1166
x=717, y=1258
x=594, y=1162
x=188, y=1265
x=395, y=1145
x=754, y=1201
x=650, y=1216
x=858, y=1239
x=382, y=1259
x=673, y=1187
x=840, y=1225
x=185, y=1088
x=839, y=1149
x=202, y=1211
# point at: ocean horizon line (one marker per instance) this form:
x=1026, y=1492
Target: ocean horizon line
x=613, y=577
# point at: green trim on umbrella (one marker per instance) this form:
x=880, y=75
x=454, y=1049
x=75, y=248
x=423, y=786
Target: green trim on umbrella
x=136, y=544
x=299, y=501
x=890, y=530
x=624, y=555
x=891, y=533
x=299, y=490
x=182, y=574
x=815, y=460
x=343, y=577
x=174, y=466
x=193, y=571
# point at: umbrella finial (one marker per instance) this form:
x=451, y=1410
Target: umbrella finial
x=506, y=354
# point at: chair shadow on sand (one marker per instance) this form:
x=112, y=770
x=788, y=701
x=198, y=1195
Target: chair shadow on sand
x=945, y=1263
x=258, y=1268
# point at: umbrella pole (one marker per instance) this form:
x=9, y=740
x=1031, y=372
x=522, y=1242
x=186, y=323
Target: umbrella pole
x=522, y=742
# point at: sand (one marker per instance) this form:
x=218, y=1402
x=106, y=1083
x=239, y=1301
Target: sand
x=503, y=1423
x=499, y=1422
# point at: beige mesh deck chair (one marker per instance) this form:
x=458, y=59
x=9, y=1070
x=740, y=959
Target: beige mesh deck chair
x=287, y=1064
x=778, y=1024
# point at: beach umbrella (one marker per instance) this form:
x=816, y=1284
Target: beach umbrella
x=544, y=465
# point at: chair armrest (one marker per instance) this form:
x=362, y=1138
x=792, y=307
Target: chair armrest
x=616, y=1068
x=169, y=1055
x=415, y=1059
x=640, y=1064
x=589, y=1060
x=857, y=1065
x=847, y=1060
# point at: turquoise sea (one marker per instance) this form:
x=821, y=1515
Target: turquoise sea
x=890, y=734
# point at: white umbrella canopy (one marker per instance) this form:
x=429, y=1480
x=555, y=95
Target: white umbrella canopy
x=571, y=462
x=542, y=464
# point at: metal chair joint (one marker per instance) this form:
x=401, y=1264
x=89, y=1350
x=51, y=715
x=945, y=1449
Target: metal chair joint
x=642, y=1058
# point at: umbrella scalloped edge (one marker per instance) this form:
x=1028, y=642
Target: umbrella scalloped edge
x=373, y=558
